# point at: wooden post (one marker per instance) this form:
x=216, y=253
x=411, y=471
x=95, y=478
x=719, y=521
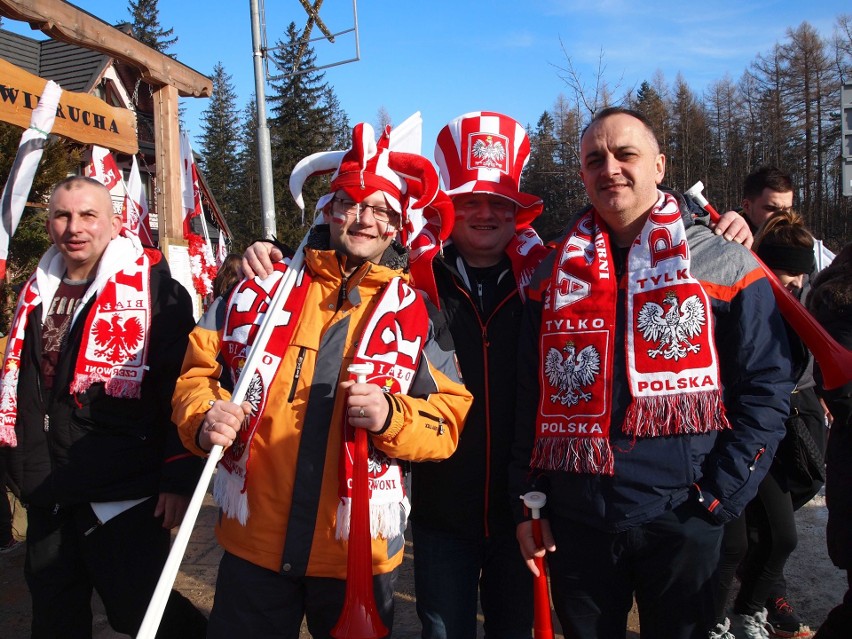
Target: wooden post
x=167, y=143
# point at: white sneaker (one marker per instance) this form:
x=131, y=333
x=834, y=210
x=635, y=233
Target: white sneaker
x=750, y=626
x=720, y=630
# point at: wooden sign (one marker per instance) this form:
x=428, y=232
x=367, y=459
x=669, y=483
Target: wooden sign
x=80, y=117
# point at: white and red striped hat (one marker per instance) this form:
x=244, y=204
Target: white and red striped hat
x=408, y=181
x=485, y=152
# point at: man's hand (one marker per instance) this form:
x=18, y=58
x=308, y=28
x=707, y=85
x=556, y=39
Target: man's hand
x=366, y=405
x=171, y=508
x=258, y=259
x=733, y=227
x=222, y=423
x=526, y=542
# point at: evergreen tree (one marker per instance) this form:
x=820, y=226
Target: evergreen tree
x=246, y=224
x=543, y=176
x=306, y=118
x=145, y=18
x=219, y=142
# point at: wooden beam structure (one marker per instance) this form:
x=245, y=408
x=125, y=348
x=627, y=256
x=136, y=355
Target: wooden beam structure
x=168, y=77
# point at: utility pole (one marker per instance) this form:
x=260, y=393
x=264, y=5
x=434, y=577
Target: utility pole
x=264, y=146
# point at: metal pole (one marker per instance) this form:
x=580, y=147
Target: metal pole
x=264, y=146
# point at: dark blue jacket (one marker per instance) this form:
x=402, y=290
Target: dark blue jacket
x=720, y=469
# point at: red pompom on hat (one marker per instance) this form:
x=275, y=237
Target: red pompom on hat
x=485, y=152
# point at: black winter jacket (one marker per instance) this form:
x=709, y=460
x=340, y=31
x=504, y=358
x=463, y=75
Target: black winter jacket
x=467, y=494
x=90, y=447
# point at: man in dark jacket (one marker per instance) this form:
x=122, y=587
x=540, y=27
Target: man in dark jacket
x=651, y=398
x=461, y=515
x=94, y=351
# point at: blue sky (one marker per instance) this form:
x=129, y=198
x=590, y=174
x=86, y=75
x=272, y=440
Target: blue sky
x=445, y=58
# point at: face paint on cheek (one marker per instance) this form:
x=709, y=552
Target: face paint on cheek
x=338, y=218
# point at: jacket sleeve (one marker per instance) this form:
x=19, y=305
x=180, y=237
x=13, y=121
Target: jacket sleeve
x=425, y=424
x=198, y=384
x=171, y=323
x=757, y=378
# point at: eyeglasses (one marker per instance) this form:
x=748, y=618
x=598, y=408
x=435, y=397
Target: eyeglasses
x=354, y=209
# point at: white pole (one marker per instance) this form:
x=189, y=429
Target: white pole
x=154, y=614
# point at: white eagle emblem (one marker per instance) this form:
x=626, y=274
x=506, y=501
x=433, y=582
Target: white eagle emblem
x=572, y=372
x=490, y=154
x=673, y=328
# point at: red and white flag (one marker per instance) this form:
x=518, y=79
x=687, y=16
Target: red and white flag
x=134, y=213
x=20, y=179
x=201, y=260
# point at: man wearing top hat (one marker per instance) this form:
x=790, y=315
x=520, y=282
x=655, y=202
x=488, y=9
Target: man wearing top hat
x=461, y=516
x=464, y=533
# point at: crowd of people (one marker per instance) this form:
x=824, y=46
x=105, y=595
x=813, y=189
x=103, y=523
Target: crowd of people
x=636, y=370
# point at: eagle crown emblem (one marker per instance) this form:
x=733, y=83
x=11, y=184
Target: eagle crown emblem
x=571, y=373
x=489, y=153
x=672, y=329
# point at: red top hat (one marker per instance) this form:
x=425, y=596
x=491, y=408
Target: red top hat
x=485, y=152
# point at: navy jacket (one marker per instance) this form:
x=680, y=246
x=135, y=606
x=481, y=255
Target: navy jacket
x=721, y=470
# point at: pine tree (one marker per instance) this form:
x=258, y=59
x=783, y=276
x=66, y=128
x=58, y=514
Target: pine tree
x=306, y=118
x=246, y=225
x=145, y=18
x=542, y=175
x=219, y=141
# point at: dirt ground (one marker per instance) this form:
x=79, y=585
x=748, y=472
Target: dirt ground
x=814, y=585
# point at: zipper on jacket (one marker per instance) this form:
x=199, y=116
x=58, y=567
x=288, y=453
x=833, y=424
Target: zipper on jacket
x=757, y=456
x=439, y=428
x=483, y=325
x=341, y=295
x=296, y=374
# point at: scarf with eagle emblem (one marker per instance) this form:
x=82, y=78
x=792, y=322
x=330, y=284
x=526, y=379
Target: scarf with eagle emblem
x=114, y=346
x=392, y=341
x=673, y=370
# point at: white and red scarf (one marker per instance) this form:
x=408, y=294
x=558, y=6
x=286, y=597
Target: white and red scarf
x=247, y=307
x=114, y=346
x=672, y=364
x=392, y=342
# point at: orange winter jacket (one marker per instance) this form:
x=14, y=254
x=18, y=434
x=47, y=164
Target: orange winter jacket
x=292, y=478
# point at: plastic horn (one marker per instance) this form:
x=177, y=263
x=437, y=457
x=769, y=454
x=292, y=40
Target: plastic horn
x=834, y=360
x=542, y=620
x=359, y=618
x=157, y=605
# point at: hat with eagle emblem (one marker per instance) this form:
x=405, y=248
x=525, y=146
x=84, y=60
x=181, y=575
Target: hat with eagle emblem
x=485, y=152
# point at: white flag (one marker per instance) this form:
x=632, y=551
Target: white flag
x=20, y=179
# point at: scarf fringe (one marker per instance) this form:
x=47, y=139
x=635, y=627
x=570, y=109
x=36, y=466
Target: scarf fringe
x=684, y=413
x=230, y=496
x=574, y=454
x=386, y=520
x=7, y=436
x=114, y=387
